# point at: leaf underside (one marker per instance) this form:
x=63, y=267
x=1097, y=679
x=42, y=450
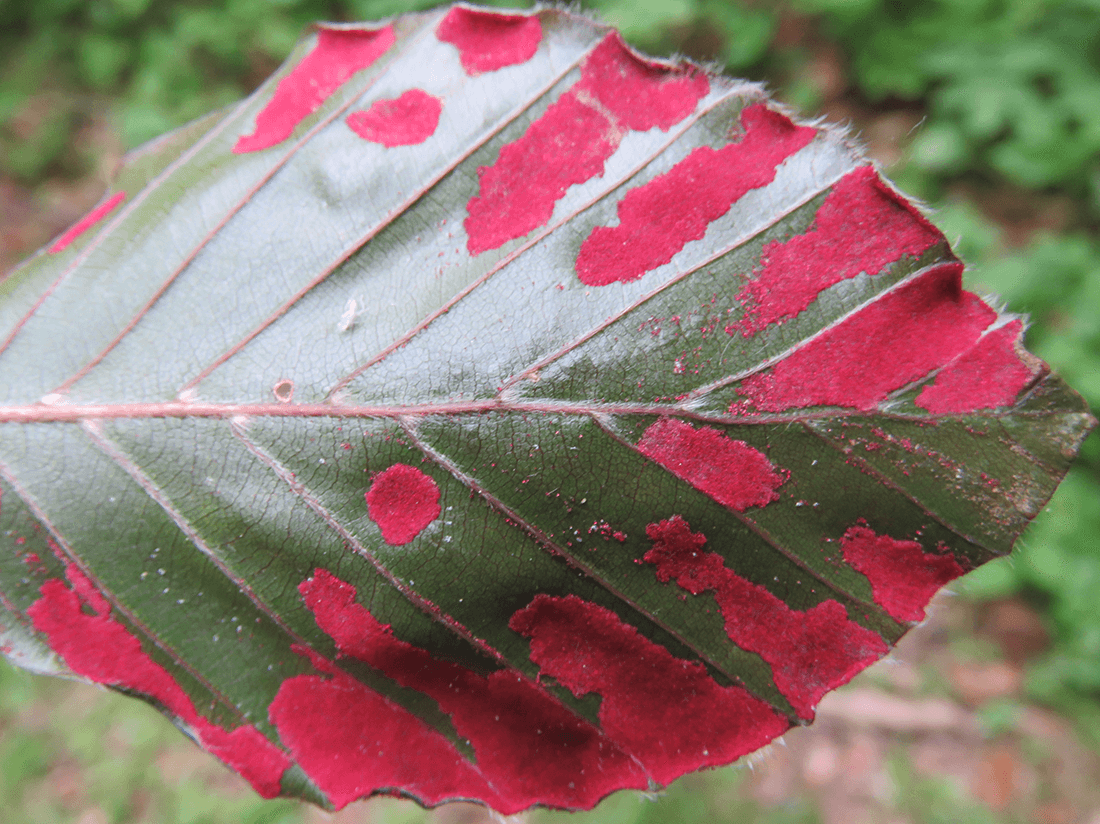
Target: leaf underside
x=482, y=410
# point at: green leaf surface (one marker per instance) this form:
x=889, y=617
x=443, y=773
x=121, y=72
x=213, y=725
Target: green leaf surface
x=482, y=410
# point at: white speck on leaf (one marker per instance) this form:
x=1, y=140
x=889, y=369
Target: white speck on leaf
x=347, y=319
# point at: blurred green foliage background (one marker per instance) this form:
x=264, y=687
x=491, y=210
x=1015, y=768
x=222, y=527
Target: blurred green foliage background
x=998, y=106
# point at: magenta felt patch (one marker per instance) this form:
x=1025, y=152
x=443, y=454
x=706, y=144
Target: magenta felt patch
x=901, y=337
x=338, y=55
x=406, y=121
x=903, y=576
x=657, y=219
x=530, y=748
x=810, y=652
x=987, y=376
x=87, y=591
x=732, y=472
x=574, y=137
x=863, y=226
x=87, y=222
x=352, y=743
x=666, y=712
x=640, y=94
x=402, y=500
x=517, y=194
x=489, y=40
x=104, y=651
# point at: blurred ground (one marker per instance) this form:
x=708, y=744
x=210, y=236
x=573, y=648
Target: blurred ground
x=940, y=731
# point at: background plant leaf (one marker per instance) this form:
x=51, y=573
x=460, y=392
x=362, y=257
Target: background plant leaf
x=480, y=410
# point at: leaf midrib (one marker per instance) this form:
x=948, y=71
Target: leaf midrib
x=72, y=413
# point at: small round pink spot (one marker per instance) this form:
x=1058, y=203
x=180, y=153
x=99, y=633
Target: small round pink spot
x=402, y=500
x=406, y=121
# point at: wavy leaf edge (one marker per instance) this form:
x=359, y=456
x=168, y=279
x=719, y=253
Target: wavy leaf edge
x=624, y=639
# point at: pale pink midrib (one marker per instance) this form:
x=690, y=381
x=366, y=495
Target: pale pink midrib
x=70, y=413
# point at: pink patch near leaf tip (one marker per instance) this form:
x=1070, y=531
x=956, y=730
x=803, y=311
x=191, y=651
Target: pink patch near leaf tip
x=862, y=226
x=104, y=651
x=87, y=222
x=402, y=500
x=903, y=576
x=490, y=40
x=810, y=652
x=666, y=712
x=987, y=376
x=656, y=220
x=338, y=55
x=900, y=337
x=732, y=472
x=406, y=121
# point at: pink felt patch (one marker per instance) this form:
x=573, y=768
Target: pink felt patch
x=667, y=712
x=87, y=591
x=901, y=337
x=489, y=40
x=104, y=651
x=530, y=748
x=518, y=193
x=402, y=500
x=338, y=55
x=903, y=576
x=863, y=226
x=732, y=472
x=989, y=375
x=407, y=121
x=247, y=751
x=353, y=743
x=640, y=94
x=573, y=139
x=87, y=222
x=657, y=220
x=810, y=652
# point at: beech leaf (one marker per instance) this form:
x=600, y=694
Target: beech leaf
x=482, y=410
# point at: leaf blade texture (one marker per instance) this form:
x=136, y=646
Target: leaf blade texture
x=483, y=410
